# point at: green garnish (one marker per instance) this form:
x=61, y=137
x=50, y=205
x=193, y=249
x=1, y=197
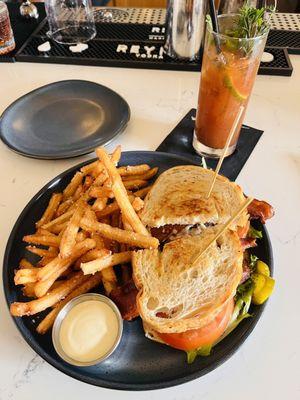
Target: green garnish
x=253, y=261
x=254, y=233
x=203, y=351
x=251, y=22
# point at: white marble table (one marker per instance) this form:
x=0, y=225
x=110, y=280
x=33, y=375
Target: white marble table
x=267, y=365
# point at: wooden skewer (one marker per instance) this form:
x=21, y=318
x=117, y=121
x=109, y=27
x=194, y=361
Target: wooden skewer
x=224, y=227
x=229, y=138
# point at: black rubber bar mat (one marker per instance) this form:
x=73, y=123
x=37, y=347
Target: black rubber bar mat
x=179, y=141
x=285, y=38
x=132, y=46
x=21, y=27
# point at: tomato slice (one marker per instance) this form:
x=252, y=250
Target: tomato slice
x=208, y=334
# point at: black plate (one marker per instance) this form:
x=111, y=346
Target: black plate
x=64, y=119
x=138, y=363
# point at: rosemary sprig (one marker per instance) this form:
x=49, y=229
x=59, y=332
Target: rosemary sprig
x=251, y=22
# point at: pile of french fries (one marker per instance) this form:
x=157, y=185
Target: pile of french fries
x=85, y=231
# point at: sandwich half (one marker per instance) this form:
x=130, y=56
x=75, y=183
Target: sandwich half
x=178, y=201
x=174, y=295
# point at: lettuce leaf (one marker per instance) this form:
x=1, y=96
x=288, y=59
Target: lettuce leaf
x=254, y=233
x=240, y=312
x=203, y=351
x=253, y=261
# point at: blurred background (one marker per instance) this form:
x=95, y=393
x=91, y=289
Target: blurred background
x=283, y=5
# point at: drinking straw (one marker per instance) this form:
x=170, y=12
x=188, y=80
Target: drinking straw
x=214, y=20
x=260, y=3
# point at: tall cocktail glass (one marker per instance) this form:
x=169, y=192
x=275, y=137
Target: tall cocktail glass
x=227, y=79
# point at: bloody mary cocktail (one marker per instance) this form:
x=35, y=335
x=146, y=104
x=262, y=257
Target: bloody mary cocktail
x=227, y=78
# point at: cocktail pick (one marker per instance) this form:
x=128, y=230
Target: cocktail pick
x=224, y=227
x=221, y=159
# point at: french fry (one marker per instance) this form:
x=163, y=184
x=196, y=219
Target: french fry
x=48, y=274
x=121, y=236
x=57, y=229
x=44, y=240
x=18, y=309
x=116, y=155
x=107, y=183
x=100, y=204
x=126, y=224
x=84, y=287
x=44, y=261
x=25, y=264
x=98, y=240
x=63, y=207
x=110, y=208
x=28, y=290
x=23, y=276
x=42, y=252
x=143, y=192
x=82, y=235
x=92, y=255
x=78, y=192
x=89, y=168
x=88, y=181
x=50, y=210
x=109, y=279
x=148, y=175
x=120, y=194
x=114, y=222
x=123, y=247
x=144, y=176
x=109, y=261
x=52, y=249
x=43, y=232
x=59, y=220
x=98, y=171
x=56, y=264
x=133, y=170
x=68, y=239
x=72, y=186
x=101, y=178
x=135, y=184
x=138, y=204
x=129, y=212
x=100, y=192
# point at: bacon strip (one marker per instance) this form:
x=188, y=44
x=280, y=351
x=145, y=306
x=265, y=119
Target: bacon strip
x=246, y=270
x=164, y=232
x=247, y=243
x=125, y=298
x=261, y=210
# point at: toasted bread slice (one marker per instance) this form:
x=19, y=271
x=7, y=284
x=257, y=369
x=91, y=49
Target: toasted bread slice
x=151, y=333
x=179, y=197
x=175, y=297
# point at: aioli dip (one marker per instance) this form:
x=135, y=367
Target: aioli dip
x=89, y=331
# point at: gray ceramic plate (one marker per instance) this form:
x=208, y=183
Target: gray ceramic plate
x=63, y=119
